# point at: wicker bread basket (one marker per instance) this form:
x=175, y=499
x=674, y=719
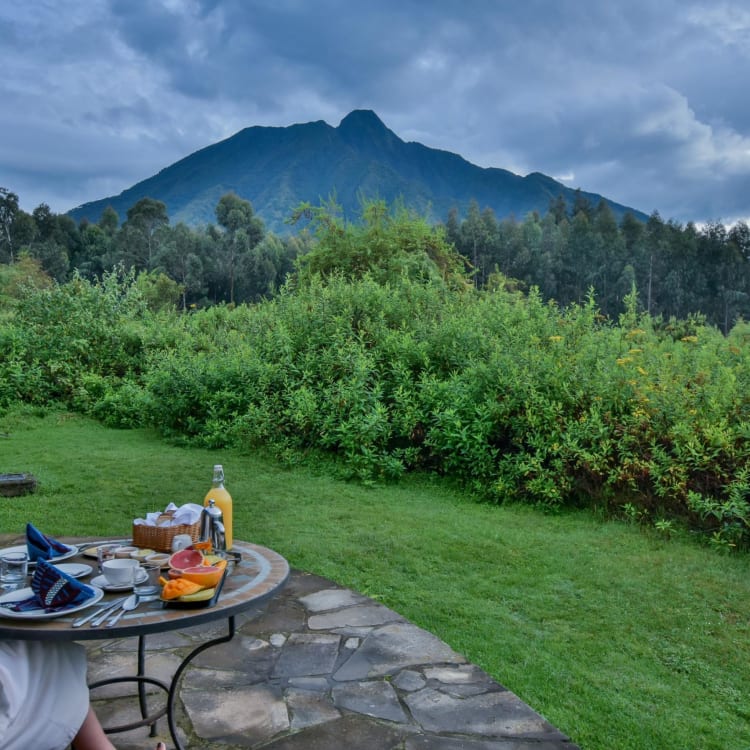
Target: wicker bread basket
x=159, y=538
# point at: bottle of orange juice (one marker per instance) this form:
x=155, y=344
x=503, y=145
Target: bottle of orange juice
x=223, y=501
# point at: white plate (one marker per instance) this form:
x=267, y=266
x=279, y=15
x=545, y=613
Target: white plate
x=89, y=550
x=103, y=583
x=72, y=552
x=40, y=614
x=76, y=570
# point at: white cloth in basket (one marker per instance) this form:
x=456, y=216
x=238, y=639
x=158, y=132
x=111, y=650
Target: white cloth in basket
x=186, y=514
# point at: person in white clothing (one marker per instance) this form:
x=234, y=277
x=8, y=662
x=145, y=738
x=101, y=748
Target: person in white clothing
x=44, y=698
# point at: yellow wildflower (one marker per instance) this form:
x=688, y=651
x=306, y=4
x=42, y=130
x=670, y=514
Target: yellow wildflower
x=635, y=332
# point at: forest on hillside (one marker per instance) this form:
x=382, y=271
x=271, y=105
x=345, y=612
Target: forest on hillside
x=680, y=271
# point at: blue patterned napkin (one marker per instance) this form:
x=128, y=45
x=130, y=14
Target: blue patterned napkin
x=42, y=547
x=53, y=590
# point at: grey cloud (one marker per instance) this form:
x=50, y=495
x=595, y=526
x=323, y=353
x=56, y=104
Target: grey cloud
x=641, y=101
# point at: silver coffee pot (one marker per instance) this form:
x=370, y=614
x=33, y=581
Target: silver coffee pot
x=212, y=526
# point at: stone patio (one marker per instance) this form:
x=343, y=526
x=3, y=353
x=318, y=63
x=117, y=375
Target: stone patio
x=321, y=667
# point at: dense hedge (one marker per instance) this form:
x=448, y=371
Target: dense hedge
x=514, y=397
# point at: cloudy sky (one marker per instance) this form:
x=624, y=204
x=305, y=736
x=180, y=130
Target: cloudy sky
x=644, y=101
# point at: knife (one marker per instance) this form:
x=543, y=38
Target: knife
x=105, y=610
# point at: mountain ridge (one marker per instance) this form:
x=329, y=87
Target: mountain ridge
x=276, y=168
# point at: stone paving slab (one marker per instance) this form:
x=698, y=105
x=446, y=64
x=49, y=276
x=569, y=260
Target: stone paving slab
x=320, y=667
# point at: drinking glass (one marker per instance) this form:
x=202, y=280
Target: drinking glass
x=105, y=552
x=14, y=567
x=146, y=581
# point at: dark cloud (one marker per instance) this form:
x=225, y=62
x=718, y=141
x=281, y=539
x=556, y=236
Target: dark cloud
x=640, y=101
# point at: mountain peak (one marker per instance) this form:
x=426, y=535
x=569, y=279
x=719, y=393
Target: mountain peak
x=362, y=127
x=362, y=118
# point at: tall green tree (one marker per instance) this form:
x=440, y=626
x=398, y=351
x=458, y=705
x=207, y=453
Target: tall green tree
x=579, y=265
x=109, y=221
x=8, y=212
x=181, y=258
x=547, y=267
x=138, y=239
x=475, y=241
x=610, y=245
x=55, y=242
x=95, y=246
x=739, y=236
x=632, y=232
x=727, y=275
x=243, y=230
x=581, y=205
x=266, y=268
x=558, y=207
x=234, y=213
x=453, y=228
x=650, y=263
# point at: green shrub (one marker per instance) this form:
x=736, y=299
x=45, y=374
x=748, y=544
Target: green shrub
x=73, y=343
x=515, y=398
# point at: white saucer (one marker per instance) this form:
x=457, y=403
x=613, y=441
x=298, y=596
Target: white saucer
x=103, y=583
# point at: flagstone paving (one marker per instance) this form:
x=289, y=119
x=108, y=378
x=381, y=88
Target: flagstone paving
x=321, y=667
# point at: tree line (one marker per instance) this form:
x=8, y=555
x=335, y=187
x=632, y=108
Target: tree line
x=679, y=271
x=234, y=260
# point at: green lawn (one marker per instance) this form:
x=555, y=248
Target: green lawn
x=620, y=639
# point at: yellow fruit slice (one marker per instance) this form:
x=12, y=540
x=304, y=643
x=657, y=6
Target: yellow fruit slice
x=177, y=587
x=198, y=596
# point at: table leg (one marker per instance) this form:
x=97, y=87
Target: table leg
x=176, y=679
x=142, y=685
x=142, y=681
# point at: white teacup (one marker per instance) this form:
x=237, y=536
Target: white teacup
x=120, y=571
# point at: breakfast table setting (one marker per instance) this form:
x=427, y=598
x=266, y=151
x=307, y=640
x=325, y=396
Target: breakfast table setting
x=159, y=577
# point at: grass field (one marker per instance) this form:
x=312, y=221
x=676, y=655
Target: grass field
x=621, y=639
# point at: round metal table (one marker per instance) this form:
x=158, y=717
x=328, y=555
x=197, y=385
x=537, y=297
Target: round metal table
x=256, y=576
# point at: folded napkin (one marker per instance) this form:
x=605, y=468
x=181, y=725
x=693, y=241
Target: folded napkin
x=42, y=547
x=53, y=590
x=188, y=514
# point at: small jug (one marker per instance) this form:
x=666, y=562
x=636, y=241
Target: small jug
x=212, y=527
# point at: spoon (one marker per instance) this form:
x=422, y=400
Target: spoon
x=129, y=604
